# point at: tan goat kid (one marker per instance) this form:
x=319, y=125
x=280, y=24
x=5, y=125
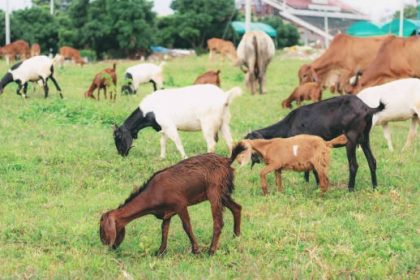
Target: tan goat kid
x=299, y=153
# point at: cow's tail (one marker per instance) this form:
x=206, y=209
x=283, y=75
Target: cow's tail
x=255, y=43
x=233, y=93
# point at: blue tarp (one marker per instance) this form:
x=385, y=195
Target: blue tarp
x=239, y=27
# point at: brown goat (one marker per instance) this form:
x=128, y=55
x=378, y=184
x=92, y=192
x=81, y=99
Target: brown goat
x=105, y=78
x=308, y=91
x=170, y=191
x=70, y=53
x=35, y=49
x=223, y=47
x=210, y=77
x=299, y=153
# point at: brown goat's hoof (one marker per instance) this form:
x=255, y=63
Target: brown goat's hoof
x=160, y=253
x=195, y=251
x=211, y=252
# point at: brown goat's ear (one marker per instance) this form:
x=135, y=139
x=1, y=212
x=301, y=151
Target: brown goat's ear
x=108, y=232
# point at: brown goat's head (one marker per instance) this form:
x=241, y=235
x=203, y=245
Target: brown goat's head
x=109, y=233
x=307, y=74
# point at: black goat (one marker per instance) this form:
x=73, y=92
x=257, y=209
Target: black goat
x=328, y=119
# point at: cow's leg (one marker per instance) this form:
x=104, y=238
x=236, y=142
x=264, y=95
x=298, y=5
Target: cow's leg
x=412, y=132
x=387, y=135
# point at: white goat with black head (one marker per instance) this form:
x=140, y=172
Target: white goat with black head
x=192, y=108
x=34, y=69
x=402, y=99
x=143, y=73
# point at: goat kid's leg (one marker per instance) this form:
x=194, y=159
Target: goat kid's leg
x=236, y=212
x=185, y=218
x=25, y=89
x=278, y=180
x=163, y=139
x=217, y=213
x=19, y=88
x=387, y=135
x=263, y=176
x=165, y=230
x=225, y=130
x=45, y=88
x=322, y=178
x=411, y=133
x=306, y=176
x=316, y=177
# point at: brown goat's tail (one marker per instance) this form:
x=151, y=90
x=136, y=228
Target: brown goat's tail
x=337, y=141
x=237, y=150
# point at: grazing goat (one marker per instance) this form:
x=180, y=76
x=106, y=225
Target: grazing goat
x=170, y=191
x=192, y=108
x=309, y=91
x=328, y=119
x=105, y=78
x=143, y=73
x=35, y=50
x=299, y=153
x=34, y=69
x=223, y=47
x=70, y=53
x=402, y=99
x=210, y=77
x=17, y=48
x=255, y=52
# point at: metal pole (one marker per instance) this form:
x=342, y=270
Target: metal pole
x=401, y=20
x=247, y=15
x=52, y=7
x=7, y=23
x=327, y=42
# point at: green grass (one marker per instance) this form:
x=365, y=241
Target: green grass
x=59, y=170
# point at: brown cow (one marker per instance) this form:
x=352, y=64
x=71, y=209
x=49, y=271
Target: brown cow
x=35, y=50
x=210, y=77
x=225, y=48
x=396, y=59
x=17, y=48
x=343, y=59
x=308, y=91
x=71, y=53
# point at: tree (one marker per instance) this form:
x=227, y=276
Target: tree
x=409, y=12
x=287, y=34
x=35, y=25
x=195, y=21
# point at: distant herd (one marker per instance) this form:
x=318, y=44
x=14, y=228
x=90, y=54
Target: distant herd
x=382, y=71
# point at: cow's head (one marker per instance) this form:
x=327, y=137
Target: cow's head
x=307, y=74
x=123, y=140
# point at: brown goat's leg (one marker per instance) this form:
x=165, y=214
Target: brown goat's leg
x=105, y=92
x=99, y=93
x=165, y=230
x=263, y=173
x=278, y=180
x=236, y=212
x=216, y=211
x=185, y=218
x=323, y=179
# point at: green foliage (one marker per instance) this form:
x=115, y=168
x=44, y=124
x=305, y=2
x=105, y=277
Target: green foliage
x=194, y=22
x=287, y=34
x=410, y=12
x=35, y=25
x=90, y=54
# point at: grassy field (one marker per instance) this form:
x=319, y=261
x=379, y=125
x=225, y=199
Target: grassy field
x=59, y=170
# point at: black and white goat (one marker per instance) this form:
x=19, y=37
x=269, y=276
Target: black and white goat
x=192, y=108
x=143, y=73
x=34, y=69
x=328, y=119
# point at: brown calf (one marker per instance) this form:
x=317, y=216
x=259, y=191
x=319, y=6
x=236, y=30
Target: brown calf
x=71, y=53
x=18, y=48
x=299, y=153
x=170, y=191
x=35, y=50
x=210, y=77
x=309, y=91
x=105, y=78
x=223, y=47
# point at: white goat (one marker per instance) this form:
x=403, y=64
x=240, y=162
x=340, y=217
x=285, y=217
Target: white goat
x=402, y=102
x=34, y=69
x=143, y=73
x=192, y=108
